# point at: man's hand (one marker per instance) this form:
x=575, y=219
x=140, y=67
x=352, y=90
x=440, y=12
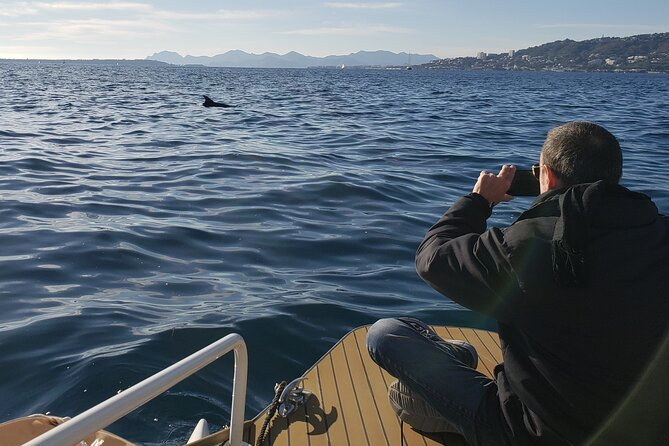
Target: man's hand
x=493, y=187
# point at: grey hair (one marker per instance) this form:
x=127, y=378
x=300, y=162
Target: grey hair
x=583, y=152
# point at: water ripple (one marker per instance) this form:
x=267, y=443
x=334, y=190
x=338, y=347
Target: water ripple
x=137, y=226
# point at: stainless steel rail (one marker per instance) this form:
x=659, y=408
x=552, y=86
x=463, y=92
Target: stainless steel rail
x=102, y=415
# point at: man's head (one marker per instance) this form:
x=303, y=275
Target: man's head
x=579, y=152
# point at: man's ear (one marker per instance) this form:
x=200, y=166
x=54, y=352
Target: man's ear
x=552, y=180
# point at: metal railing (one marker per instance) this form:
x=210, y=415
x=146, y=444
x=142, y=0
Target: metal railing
x=102, y=415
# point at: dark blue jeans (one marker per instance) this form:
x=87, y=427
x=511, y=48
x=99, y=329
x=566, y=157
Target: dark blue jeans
x=413, y=353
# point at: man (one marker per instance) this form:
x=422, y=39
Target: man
x=579, y=285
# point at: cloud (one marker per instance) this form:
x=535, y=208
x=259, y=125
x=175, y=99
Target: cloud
x=87, y=30
x=84, y=22
x=346, y=5
x=139, y=9
x=221, y=15
x=81, y=6
x=17, y=10
x=348, y=31
x=124, y=23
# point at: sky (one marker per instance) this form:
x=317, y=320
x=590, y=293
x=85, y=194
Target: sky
x=134, y=29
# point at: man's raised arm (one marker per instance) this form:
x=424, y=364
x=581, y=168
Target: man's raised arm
x=462, y=260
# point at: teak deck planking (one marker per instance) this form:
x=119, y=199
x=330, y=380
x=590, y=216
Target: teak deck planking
x=349, y=402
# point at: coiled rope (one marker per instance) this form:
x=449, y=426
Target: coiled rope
x=271, y=410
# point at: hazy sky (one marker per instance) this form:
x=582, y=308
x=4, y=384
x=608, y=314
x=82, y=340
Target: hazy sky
x=447, y=28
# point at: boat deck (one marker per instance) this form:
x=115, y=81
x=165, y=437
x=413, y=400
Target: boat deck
x=349, y=402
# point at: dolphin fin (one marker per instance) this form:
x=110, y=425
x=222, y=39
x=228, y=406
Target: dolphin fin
x=208, y=102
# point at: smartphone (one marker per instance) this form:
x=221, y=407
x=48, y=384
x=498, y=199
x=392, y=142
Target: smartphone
x=524, y=184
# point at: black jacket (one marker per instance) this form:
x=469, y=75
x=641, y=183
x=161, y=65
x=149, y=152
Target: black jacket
x=579, y=285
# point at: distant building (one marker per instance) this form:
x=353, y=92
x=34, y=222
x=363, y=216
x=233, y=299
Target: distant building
x=481, y=55
x=610, y=61
x=526, y=57
x=511, y=53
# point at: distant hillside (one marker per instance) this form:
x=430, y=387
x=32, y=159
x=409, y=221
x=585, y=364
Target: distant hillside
x=237, y=58
x=645, y=52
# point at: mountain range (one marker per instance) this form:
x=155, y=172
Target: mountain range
x=238, y=58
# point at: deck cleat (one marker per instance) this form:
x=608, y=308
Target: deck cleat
x=293, y=396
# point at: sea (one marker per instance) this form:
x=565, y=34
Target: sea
x=137, y=226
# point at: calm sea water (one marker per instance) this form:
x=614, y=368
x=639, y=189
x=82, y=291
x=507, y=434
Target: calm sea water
x=137, y=226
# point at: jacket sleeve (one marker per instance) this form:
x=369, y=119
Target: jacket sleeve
x=468, y=264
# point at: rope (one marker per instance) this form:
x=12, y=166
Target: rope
x=271, y=410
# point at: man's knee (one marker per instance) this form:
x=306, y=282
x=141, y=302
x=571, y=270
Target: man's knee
x=379, y=336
